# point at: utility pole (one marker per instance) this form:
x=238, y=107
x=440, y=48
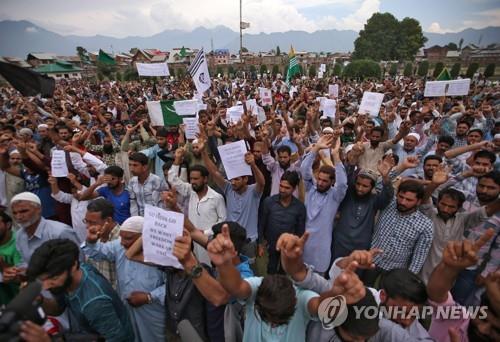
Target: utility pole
x=241, y=35
x=212, y=44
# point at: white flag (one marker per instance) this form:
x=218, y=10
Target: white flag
x=244, y=25
x=199, y=72
x=152, y=69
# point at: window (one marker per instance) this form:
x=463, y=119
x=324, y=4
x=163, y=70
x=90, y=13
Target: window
x=58, y=75
x=66, y=76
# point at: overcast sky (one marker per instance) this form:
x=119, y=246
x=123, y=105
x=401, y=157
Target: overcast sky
x=121, y=18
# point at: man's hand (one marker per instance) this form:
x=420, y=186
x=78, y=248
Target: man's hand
x=170, y=199
x=440, y=175
x=179, y=156
x=325, y=141
x=9, y=274
x=385, y=166
x=363, y=258
x=182, y=250
x=292, y=246
x=410, y=162
x=349, y=285
x=221, y=249
x=31, y=332
x=138, y=298
x=462, y=254
x=249, y=158
x=93, y=233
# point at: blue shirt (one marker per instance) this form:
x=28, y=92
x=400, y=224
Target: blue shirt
x=243, y=208
x=120, y=202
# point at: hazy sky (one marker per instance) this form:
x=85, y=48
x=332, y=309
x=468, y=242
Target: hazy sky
x=120, y=18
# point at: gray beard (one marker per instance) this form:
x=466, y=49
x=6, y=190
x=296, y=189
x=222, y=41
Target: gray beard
x=27, y=224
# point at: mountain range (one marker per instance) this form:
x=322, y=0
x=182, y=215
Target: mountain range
x=18, y=38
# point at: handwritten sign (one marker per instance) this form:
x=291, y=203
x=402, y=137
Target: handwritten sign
x=191, y=127
x=447, y=88
x=186, y=107
x=252, y=106
x=265, y=96
x=234, y=113
x=370, y=103
x=458, y=87
x=233, y=159
x=160, y=229
x=58, y=165
x=333, y=90
x=322, y=68
x=329, y=108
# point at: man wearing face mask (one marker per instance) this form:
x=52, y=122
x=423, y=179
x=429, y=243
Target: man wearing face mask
x=93, y=306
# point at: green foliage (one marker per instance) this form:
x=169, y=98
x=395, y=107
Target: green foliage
x=471, y=70
x=337, y=69
x=362, y=68
x=219, y=70
x=423, y=69
x=180, y=72
x=278, y=51
x=312, y=71
x=244, y=49
x=253, y=69
x=408, y=71
x=490, y=70
x=230, y=70
x=455, y=70
x=393, y=71
x=130, y=74
x=301, y=69
x=100, y=76
x=437, y=69
x=118, y=76
x=106, y=69
x=275, y=70
x=386, y=38
x=460, y=43
x=452, y=46
x=263, y=69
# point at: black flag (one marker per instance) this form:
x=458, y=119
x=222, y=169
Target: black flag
x=27, y=82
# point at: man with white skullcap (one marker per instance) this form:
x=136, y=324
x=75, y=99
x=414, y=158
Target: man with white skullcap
x=35, y=230
x=140, y=286
x=409, y=148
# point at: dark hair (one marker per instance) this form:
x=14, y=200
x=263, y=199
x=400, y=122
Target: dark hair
x=161, y=132
x=328, y=170
x=291, y=177
x=446, y=139
x=58, y=128
x=454, y=194
x=433, y=157
x=372, y=181
x=412, y=186
x=475, y=130
x=378, y=129
x=201, y=169
x=494, y=175
x=361, y=326
x=4, y=217
x=9, y=128
x=237, y=233
x=275, y=300
x=465, y=122
x=404, y=284
x=53, y=257
x=103, y=206
x=486, y=154
x=351, y=125
x=114, y=170
x=139, y=157
x=284, y=148
x=414, y=112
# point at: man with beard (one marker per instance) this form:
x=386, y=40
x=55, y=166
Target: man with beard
x=114, y=192
x=460, y=135
x=94, y=308
x=45, y=144
x=109, y=148
x=162, y=145
x=354, y=229
x=35, y=230
x=402, y=232
x=278, y=167
x=206, y=206
x=9, y=256
x=281, y=213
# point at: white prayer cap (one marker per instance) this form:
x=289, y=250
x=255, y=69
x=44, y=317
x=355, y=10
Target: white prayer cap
x=327, y=130
x=497, y=136
x=26, y=131
x=26, y=196
x=43, y=126
x=348, y=148
x=415, y=135
x=133, y=224
x=13, y=152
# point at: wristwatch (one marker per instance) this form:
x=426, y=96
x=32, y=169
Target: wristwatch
x=196, y=271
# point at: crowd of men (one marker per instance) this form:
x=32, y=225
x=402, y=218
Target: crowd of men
x=395, y=210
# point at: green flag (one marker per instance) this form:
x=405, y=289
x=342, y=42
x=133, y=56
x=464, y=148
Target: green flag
x=183, y=53
x=84, y=56
x=293, y=66
x=444, y=75
x=105, y=58
x=162, y=113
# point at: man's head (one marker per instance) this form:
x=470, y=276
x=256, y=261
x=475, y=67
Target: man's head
x=15, y=158
x=365, y=181
x=26, y=209
x=474, y=136
x=115, y=174
x=198, y=177
x=462, y=128
x=449, y=202
x=409, y=197
x=257, y=150
x=411, y=141
x=196, y=149
x=284, y=152
x=239, y=183
x=203, y=117
x=107, y=145
x=288, y=183
x=488, y=187
x=376, y=135
x=444, y=143
x=138, y=164
x=237, y=234
x=485, y=159
x=55, y=263
x=161, y=137
x=64, y=133
x=131, y=230
x=359, y=328
x=5, y=225
x=485, y=329
x=431, y=163
x=43, y=130
x=326, y=178
x=275, y=300
x=403, y=290
x=99, y=212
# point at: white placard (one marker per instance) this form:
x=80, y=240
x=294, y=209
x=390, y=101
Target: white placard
x=265, y=96
x=370, y=103
x=320, y=74
x=458, y=87
x=252, y=106
x=186, y=107
x=321, y=101
x=261, y=114
x=58, y=165
x=191, y=127
x=435, y=88
x=329, y=108
x=233, y=159
x=333, y=90
x=234, y=113
x=322, y=68
x=152, y=69
x=160, y=229
x=447, y=88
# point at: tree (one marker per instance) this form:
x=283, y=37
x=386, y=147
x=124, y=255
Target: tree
x=276, y=70
x=337, y=69
x=252, y=69
x=312, y=71
x=423, y=69
x=219, y=70
x=100, y=76
x=490, y=70
x=386, y=38
x=244, y=49
x=455, y=70
x=118, y=76
x=263, y=69
x=437, y=69
x=180, y=72
x=362, y=68
x=460, y=43
x=471, y=70
x=452, y=46
x=230, y=70
x=130, y=74
x=393, y=71
x=408, y=71
x=278, y=50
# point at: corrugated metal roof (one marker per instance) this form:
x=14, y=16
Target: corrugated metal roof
x=58, y=67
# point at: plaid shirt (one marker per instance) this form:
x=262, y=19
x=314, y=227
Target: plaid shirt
x=404, y=239
x=107, y=158
x=107, y=268
x=147, y=193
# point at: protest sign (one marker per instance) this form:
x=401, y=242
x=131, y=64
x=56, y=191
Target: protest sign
x=186, y=107
x=152, y=69
x=320, y=74
x=435, y=88
x=321, y=101
x=252, y=106
x=458, y=87
x=160, y=229
x=333, y=90
x=233, y=159
x=265, y=96
x=190, y=127
x=234, y=113
x=322, y=68
x=58, y=165
x=370, y=103
x=329, y=108
x=447, y=88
